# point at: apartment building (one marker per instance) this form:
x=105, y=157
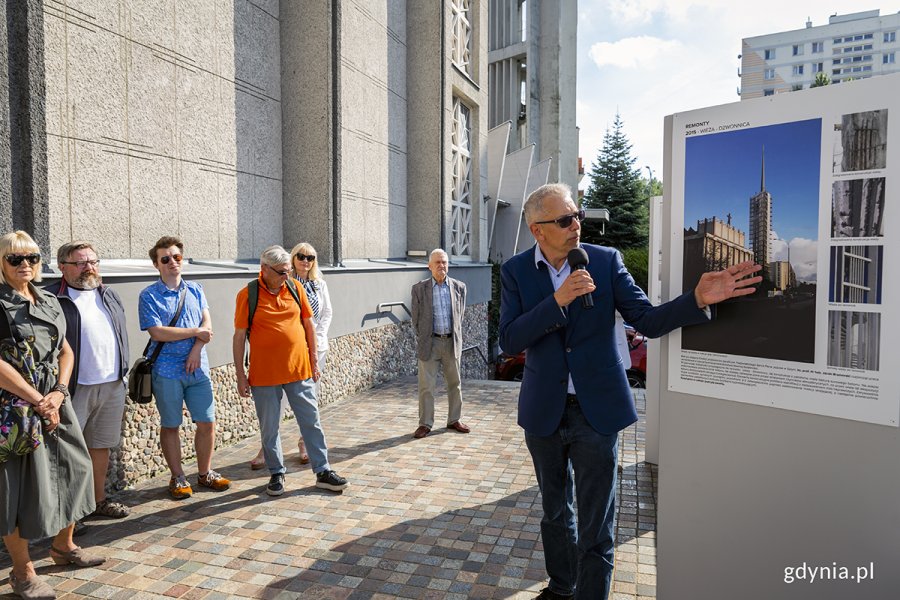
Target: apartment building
x=852, y=46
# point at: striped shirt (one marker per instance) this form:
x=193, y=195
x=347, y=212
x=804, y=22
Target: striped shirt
x=442, y=322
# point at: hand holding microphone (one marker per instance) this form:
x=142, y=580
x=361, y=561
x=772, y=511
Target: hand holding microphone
x=578, y=261
x=578, y=283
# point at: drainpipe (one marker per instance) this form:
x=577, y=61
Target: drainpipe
x=337, y=258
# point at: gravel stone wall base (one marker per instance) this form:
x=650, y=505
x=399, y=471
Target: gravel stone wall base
x=355, y=362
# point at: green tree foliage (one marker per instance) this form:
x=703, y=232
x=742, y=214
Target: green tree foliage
x=617, y=186
x=637, y=261
x=821, y=79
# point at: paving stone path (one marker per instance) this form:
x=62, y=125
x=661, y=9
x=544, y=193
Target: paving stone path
x=450, y=516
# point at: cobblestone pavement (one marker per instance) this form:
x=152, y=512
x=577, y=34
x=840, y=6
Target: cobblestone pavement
x=449, y=516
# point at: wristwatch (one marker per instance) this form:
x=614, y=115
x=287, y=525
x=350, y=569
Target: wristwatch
x=62, y=389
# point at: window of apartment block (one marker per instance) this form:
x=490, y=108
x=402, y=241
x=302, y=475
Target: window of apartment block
x=890, y=36
x=817, y=67
x=769, y=74
x=769, y=92
x=888, y=58
x=461, y=24
x=818, y=47
x=798, y=70
x=796, y=87
x=797, y=49
x=461, y=174
x=769, y=53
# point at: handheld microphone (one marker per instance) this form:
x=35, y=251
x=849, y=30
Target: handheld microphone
x=578, y=259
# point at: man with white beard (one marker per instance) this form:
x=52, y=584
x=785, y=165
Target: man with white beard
x=95, y=329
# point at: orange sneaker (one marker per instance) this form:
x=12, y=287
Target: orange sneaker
x=179, y=488
x=214, y=481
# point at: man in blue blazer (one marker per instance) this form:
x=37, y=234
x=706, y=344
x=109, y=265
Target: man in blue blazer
x=575, y=396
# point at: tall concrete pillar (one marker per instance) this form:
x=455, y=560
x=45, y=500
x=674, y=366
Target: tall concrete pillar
x=23, y=150
x=310, y=122
x=426, y=221
x=552, y=77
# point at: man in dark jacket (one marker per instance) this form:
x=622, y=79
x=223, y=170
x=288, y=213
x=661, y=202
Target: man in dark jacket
x=95, y=328
x=575, y=397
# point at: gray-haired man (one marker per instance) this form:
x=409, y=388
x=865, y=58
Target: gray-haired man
x=95, y=329
x=283, y=360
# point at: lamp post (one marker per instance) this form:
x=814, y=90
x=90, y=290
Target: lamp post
x=649, y=170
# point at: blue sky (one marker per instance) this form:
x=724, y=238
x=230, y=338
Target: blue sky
x=722, y=172
x=651, y=58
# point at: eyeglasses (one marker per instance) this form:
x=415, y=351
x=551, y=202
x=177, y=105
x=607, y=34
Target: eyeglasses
x=167, y=259
x=302, y=257
x=565, y=220
x=81, y=263
x=279, y=273
x=16, y=259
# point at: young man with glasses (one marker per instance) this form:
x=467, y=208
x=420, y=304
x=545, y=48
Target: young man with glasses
x=95, y=329
x=283, y=361
x=181, y=373
x=575, y=396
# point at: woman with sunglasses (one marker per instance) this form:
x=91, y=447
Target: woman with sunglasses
x=44, y=492
x=304, y=269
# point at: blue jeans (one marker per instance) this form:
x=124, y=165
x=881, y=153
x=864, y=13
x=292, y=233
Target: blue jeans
x=301, y=396
x=577, y=462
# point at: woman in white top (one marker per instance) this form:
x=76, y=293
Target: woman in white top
x=305, y=269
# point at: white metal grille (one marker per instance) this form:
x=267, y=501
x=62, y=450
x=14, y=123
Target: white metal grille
x=461, y=53
x=461, y=173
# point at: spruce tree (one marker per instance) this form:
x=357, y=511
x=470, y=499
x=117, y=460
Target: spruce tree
x=617, y=186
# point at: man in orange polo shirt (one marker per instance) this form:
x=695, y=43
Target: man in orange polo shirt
x=282, y=361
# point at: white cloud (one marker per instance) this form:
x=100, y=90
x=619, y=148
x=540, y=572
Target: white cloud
x=650, y=58
x=804, y=256
x=634, y=52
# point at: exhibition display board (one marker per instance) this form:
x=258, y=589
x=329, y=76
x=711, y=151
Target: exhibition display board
x=806, y=185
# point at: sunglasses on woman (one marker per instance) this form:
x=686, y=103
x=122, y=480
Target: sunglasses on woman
x=309, y=257
x=167, y=259
x=16, y=259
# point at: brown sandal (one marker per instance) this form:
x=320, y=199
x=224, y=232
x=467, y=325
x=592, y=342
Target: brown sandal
x=78, y=557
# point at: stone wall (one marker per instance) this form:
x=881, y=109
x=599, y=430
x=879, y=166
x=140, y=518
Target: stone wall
x=355, y=362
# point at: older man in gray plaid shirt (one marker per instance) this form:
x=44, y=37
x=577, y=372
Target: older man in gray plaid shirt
x=438, y=305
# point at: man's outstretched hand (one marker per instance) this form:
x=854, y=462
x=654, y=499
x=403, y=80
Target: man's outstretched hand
x=717, y=286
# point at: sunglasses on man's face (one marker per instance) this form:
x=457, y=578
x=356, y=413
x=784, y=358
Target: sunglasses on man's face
x=167, y=259
x=16, y=259
x=309, y=257
x=565, y=220
x=279, y=273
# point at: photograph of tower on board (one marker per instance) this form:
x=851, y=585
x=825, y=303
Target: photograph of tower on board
x=854, y=274
x=857, y=207
x=753, y=194
x=854, y=339
x=860, y=141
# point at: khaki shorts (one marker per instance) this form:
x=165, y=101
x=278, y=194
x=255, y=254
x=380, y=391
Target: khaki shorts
x=99, y=408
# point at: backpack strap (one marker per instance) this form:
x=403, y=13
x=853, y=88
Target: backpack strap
x=252, y=301
x=293, y=290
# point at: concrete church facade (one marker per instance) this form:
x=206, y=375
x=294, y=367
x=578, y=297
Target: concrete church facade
x=356, y=126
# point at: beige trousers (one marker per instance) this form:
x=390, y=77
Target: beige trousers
x=441, y=356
